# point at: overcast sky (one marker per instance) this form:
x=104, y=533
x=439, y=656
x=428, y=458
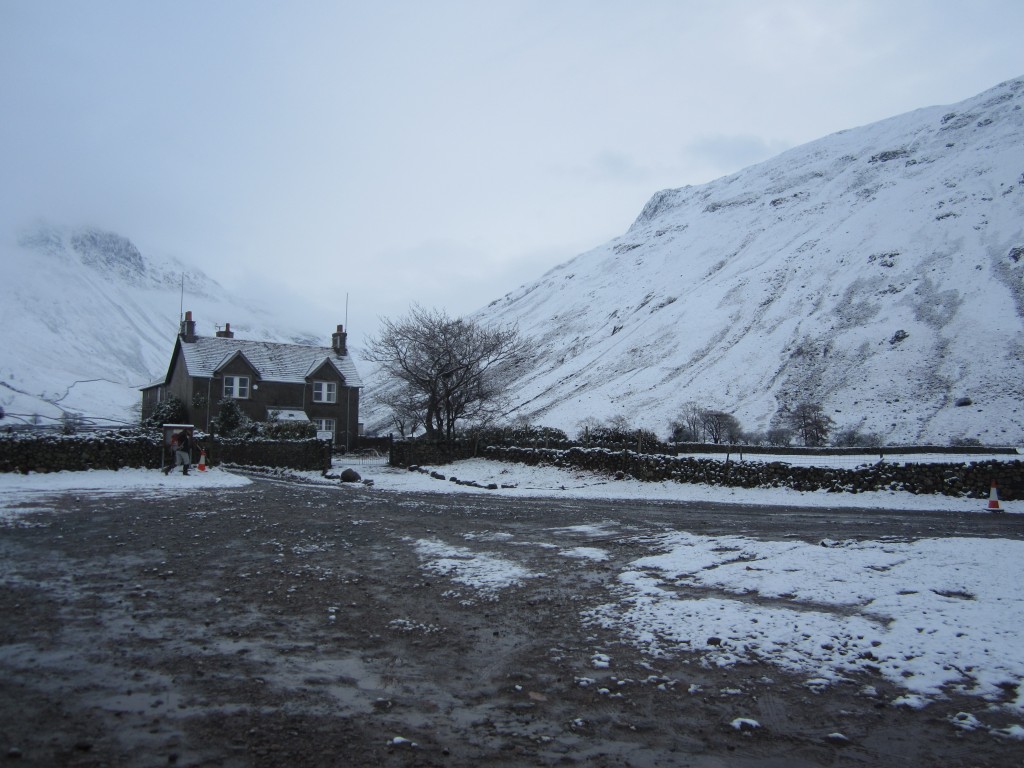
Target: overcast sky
x=434, y=151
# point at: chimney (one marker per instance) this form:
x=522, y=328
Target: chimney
x=227, y=333
x=338, y=341
x=188, y=328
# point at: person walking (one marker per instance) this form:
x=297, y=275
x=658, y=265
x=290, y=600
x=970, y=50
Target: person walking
x=184, y=453
x=182, y=447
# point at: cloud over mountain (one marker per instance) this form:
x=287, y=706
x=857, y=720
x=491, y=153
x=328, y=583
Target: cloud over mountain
x=86, y=319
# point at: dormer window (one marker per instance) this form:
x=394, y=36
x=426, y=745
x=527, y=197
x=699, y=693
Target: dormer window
x=325, y=392
x=236, y=387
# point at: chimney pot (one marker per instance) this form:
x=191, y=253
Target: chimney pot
x=188, y=328
x=338, y=341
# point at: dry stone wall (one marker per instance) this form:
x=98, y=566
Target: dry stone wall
x=114, y=450
x=972, y=479
x=953, y=479
x=95, y=450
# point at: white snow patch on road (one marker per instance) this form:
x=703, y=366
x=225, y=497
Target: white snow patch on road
x=586, y=553
x=485, y=572
x=17, y=489
x=927, y=615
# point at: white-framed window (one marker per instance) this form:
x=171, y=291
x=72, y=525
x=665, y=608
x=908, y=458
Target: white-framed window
x=236, y=387
x=324, y=425
x=325, y=391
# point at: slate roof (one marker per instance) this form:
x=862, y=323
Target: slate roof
x=290, y=363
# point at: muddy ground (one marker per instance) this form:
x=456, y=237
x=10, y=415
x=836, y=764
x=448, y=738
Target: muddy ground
x=285, y=624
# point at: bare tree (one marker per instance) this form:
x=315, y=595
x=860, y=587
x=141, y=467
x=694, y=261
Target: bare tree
x=586, y=427
x=733, y=430
x=688, y=427
x=451, y=369
x=720, y=427
x=408, y=408
x=809, y=421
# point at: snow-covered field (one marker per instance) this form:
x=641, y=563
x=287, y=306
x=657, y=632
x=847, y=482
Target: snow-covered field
x=933, y=616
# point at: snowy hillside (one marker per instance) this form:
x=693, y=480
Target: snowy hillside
x=878, y=271
x=85, y=319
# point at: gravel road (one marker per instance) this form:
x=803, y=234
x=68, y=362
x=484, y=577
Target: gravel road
x=288, y=624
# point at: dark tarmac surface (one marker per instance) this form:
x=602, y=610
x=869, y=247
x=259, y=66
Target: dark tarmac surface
x=285, y=624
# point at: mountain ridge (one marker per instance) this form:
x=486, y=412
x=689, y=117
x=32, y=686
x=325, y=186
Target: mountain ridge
x=877, y=270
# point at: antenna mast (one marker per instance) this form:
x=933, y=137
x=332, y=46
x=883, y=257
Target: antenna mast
x=346, y=309
x=181, y=307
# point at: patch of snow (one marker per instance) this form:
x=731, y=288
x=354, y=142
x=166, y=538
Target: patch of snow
x=586, y=553
x=17, y=489
x=484, y=572
x=927, y=615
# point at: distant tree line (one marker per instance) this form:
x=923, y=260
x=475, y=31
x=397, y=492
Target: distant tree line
x=804, y=422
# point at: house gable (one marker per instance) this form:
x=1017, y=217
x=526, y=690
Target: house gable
x=327, y=370
x=237, y=364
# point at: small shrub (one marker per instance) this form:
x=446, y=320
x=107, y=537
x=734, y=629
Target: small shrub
x=71, y=423
x=170, y=411
x=230, y=419
x=779, y=437
x=854, y=438
x=519, y=433
x=965, y=442
x=286, y=430
x=619, y=432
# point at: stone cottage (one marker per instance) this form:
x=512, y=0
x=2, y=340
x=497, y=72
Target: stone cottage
x=269, y=380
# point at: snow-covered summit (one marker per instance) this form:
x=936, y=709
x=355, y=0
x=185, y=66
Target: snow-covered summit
x=86, y=318
x=878, y=271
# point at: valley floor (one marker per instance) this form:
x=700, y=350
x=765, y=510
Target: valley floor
x=223, y=620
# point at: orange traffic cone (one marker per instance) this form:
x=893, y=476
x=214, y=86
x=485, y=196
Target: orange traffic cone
x=202, y=461
x=993, y=499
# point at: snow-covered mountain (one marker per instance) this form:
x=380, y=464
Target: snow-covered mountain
x=878, y=271
x=86, y=319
